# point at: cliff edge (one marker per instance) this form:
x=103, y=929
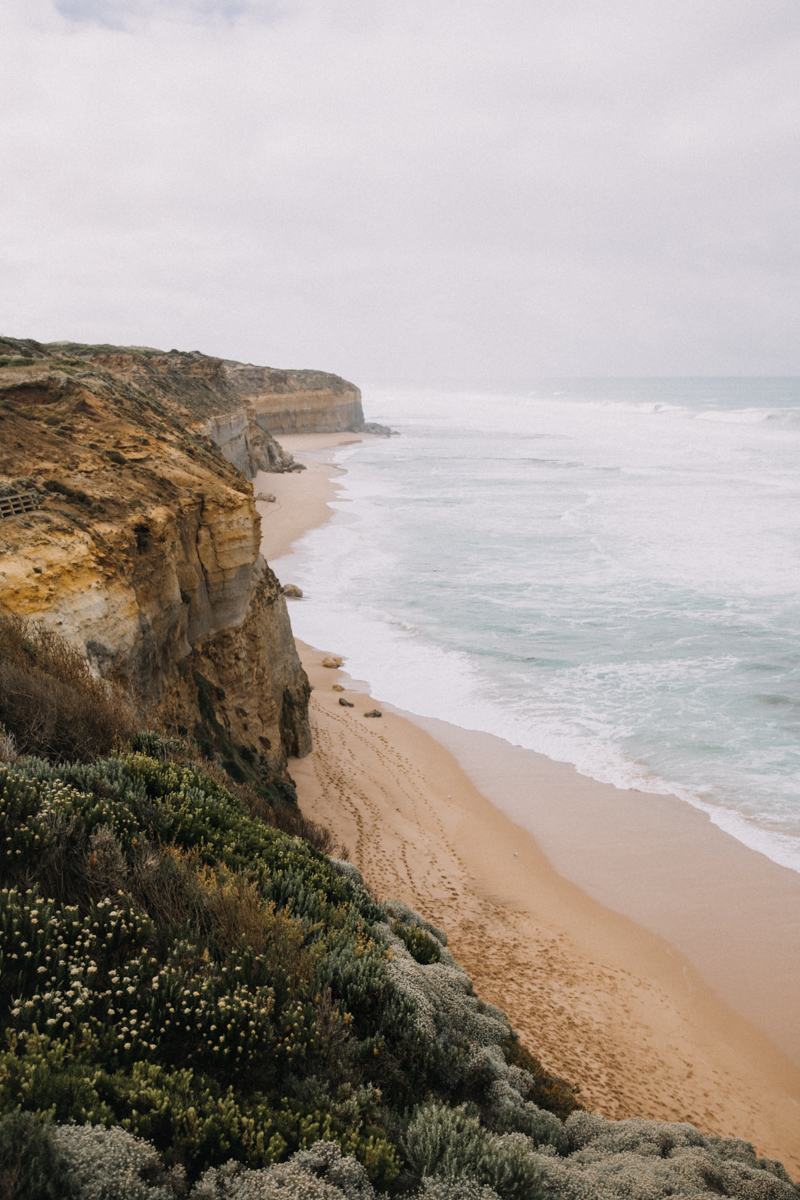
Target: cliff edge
x=124, y=527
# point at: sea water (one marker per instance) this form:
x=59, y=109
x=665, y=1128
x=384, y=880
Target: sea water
x=606, y=571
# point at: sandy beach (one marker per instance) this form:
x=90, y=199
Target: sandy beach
x=639, y=951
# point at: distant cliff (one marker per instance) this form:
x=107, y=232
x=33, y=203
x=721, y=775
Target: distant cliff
x=140, y=543
x=238, y=405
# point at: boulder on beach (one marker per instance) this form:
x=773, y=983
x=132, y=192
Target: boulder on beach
x=345, y=703
x=333, y=662
x=292, y=591
x=376, y=427
x=266, y=497
x=338, y=687
x=376, y=712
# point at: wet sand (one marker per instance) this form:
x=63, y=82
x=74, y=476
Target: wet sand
x=639, y=951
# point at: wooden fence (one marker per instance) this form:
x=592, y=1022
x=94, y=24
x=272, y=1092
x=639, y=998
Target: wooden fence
x=18, y=502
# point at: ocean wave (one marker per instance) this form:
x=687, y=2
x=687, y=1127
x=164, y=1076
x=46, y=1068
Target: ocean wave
x=614, y=616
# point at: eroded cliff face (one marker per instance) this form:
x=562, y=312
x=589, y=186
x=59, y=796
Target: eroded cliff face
x=245, y=444
x=297, y=401
x=238, y=405
x=143, y=550
x=279, y=401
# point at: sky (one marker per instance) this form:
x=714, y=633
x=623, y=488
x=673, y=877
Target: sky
x=422, y=192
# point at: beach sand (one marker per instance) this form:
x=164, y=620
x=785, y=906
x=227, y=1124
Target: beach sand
x=640, y=952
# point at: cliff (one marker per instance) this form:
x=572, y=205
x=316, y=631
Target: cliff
x=238, y=405
x=141, y=544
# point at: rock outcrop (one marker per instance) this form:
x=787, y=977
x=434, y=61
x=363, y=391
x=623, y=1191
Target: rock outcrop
x=245, y=444
x=297, y=401
x=143, y=547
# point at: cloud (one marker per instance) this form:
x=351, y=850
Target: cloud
x=131, y=14
x=413, y=191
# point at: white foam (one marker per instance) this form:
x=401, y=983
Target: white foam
x=651, y=518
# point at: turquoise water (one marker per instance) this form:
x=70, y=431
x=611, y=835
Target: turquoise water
x=607, y=571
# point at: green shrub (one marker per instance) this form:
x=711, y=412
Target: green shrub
x=32, y=1164
x=451, y=1143
x=206, y=816
x=190, y=1118
x=69, y=493
x=421, y=946
x=455, y=1189
x=107, y=1164
x=25, y=833
x=547, y=1090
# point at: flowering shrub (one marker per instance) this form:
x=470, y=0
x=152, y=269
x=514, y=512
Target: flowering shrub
x=24, y=831
x=455, y=1189
x=654, y=1159
x=420, y=945
x=452, y=1143
x=231, y=947
x=108, y=1163
x=184, y=986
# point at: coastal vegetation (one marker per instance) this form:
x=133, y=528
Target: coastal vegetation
x=198, y=995
x=198, y=1001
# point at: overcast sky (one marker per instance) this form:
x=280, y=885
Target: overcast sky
x=414, y=191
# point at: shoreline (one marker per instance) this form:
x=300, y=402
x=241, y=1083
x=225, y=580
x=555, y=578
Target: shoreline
x=463, y=827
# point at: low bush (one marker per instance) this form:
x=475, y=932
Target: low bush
x=547, y=1091
x=274, y=803
x=452, y=1144
x=69, y=493
x=51, y=703
x=321, y=1173
x=32, y=1164
x=107, y=1164
x=455, y=1189
x=421, y=946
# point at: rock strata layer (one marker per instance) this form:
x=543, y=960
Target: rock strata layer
x=143, y=545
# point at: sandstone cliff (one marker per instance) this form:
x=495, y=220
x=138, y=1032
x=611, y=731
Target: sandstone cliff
x=143, y=544
x=239, y=405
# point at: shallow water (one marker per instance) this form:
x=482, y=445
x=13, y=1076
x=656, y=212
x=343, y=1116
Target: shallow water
x=606, y=571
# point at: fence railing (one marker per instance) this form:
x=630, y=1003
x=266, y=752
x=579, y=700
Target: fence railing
x=18, y=502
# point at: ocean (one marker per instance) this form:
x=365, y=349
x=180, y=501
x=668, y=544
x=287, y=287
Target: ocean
x=606, y=571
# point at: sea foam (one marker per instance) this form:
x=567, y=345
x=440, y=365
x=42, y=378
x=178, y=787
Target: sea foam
x=608, y=575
